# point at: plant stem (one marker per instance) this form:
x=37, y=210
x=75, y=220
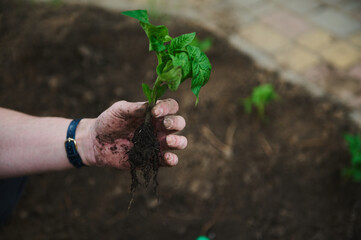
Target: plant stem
x=155, y=91
x=148, y=115
x=153, y=101
x=261, y=112
x=153, y=95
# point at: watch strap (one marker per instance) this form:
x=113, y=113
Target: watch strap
x=70, y=145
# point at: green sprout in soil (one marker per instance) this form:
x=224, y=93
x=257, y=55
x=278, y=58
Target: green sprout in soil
x=178, y=60
x=204, y=44
x=261, y=96
x=354, y=146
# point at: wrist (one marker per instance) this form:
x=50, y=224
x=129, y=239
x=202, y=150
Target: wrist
x=84, y=141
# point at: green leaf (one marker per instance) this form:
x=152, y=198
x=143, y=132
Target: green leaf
x=354, y=146
x=354, y=142
x=156, y=44
x=357, y=175
x=161, y=90
x=356, y=159
x=181, y=42
x=201, y=69
x=204, y=45
x=168, y=66
x=172, y=78
x=140, y=15
x=193, y=52
x=176, y=60
x=168, y=38
x=157, y=36
x=164, y=60
x=260, y=97
x=182, y=60
x=160, y=68
x=166, y=57
x=147, y=91
x=263, y=94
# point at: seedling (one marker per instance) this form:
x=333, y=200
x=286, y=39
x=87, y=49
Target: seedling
x=260, y=98
x=177, y=61
x=204, y=44
x=354, y=146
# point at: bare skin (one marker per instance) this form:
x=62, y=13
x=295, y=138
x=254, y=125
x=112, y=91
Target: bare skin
x=32, y=145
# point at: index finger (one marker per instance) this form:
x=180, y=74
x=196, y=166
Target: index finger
x=165, y=107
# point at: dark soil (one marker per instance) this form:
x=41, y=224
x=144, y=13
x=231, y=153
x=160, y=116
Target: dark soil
x=238, y=178
x=145, y=155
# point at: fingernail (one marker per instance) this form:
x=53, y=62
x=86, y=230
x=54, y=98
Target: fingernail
x=170, y=140
x=168, y=123
x=158, y=112
x=169, y=158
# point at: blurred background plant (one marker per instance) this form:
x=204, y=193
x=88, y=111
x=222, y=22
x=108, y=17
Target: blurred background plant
x=261, y=96
x=354, y=146
x=204, y=44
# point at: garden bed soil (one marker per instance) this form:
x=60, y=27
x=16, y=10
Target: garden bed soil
x=237, y=179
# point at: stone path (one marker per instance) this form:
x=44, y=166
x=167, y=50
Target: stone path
x=314, y=43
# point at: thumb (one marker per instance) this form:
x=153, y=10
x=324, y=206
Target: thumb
x=124, y=109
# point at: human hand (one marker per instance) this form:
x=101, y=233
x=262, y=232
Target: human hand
x=106, y=140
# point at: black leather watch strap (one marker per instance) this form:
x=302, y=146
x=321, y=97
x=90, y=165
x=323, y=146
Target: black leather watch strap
x=70, y=145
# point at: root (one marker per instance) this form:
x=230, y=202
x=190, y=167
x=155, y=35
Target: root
x=145, y=156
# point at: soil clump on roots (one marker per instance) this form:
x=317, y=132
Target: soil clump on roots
x=145, y=156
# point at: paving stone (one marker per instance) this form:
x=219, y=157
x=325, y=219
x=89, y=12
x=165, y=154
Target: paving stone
x=298, y=58
x=264, y=37
x=299, y=79
x=331, y=1
x=261, y=8
x=315, y=39
x=344, y=95
x=341, y=54
x=356, y=103
x=356, y=71
x=335, y=21
x=351, y=6
x=356, y=39
x=318, y=74
x=286, y=23
x=244, y=17
x=302, y=6
x=357, y=15
x=260, y=57
x=355, y=116
x=243, y=3
x=281, y=2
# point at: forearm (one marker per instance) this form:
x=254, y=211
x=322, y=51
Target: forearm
x=30, y=145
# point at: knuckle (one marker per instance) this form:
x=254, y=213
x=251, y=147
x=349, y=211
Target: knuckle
x=178, y=122
x=120, y=104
